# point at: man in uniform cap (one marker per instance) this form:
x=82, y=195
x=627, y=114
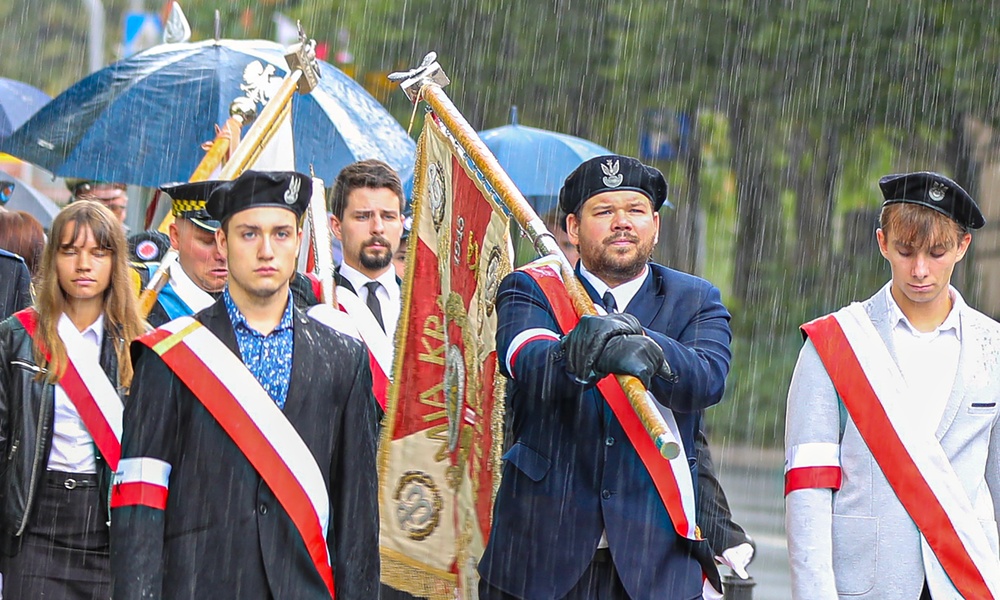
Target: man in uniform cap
x=892, y=446
x=110, y=194
x=248, y=458
x=577, y=514
x=199, y=274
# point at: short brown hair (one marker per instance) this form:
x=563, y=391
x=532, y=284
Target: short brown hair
x=919, y=226
x=22, y=234
x=370, y=173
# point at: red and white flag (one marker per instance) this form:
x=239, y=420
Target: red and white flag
x=439, y=461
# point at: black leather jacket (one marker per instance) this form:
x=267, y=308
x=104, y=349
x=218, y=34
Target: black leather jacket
x=27, y=407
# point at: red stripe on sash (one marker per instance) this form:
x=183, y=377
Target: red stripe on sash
x=78, y=393
x=659, y=468
x=226, y=410
x=139, y=494
x=897, y=465
x=804, y=478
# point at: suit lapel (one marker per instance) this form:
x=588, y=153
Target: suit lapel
x=302, y=366
x=216, y=319
x=648, y=302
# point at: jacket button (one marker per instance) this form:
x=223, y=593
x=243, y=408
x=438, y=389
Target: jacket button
x=263, y=509
x=610, y=441
x=606, y=494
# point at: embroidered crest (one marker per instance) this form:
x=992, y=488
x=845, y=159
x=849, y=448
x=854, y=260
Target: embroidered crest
x=612, y=178
x=937, y=191
x=292, y=193
x=418, y=505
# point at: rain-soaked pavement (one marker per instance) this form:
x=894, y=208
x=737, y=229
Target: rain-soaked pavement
x=754, y=483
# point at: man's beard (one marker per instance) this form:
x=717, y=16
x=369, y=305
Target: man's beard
x=376, y=262
x=606, y=264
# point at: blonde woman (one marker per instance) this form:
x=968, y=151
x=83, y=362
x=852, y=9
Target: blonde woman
x=64, y=366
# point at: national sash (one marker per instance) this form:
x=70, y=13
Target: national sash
x=868, y=383
x=439, y=460
x=672, y=478
x=360, y=324
x=88, y=388
x=241, y=406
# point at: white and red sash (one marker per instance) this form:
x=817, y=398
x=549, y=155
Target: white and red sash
x=672, y=478
x=873, y=391
x=237, y=401
x=363, y=326
x=87, y=386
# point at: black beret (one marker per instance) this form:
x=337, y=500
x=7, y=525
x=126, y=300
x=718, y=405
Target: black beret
x=612, y=173
x=256, y=189
x=936, y=192
x=188, y=201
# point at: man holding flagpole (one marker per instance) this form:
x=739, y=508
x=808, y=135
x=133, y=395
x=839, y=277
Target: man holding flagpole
x=581, y=513
x=892, y=469
x=249, y=455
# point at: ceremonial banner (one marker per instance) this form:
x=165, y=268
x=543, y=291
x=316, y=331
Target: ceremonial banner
x=439, y=460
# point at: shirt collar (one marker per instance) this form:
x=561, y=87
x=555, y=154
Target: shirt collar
x=240, y=322
x=623, y=293
x=94, y=333
x=359, y=279
x=195, y=297
x=951, y=323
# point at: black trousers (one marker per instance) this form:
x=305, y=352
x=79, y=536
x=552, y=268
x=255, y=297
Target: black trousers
x=64, y=553
x=599, y=582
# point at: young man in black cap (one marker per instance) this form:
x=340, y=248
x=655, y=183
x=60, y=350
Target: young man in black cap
x=892, y=471
x=583, y=509
x=248, y=463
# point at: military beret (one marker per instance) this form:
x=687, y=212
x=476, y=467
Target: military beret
x=256, y=189
x=612, y=173
x=188, y=201
x=935, y=191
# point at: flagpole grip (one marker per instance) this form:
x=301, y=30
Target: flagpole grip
x=425, y=83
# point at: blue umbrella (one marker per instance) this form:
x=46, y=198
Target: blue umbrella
x=18, y=101
x=30, y=200
x=142, y=120
x=538, y=160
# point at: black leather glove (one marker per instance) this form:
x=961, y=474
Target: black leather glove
x=635, y=355
x=586, y=341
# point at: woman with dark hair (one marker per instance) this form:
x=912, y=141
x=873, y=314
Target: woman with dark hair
x=64, y=366
x=23, y=235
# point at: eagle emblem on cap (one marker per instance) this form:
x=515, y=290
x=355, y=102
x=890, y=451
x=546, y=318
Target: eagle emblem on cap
x=292, y=193
x=612, y=178
x=937, y=191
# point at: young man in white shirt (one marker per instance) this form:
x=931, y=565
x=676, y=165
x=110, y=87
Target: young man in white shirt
x=892, y=447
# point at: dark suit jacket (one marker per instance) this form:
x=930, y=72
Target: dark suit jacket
x=223, y=534
x=570, y=472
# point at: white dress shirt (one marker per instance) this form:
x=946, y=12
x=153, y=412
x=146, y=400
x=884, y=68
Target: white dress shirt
x=928, y=360
x=623, y=293
x=72, y=447
x=388, y=293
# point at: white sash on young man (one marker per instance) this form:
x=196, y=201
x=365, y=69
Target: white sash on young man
x=248, y=414
x=918, y=446
x=92, y=393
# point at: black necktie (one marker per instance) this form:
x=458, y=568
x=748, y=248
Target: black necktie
x=609, y=302
x=372, y=301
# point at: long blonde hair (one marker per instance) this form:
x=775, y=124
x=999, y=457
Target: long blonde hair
x=121, y=314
